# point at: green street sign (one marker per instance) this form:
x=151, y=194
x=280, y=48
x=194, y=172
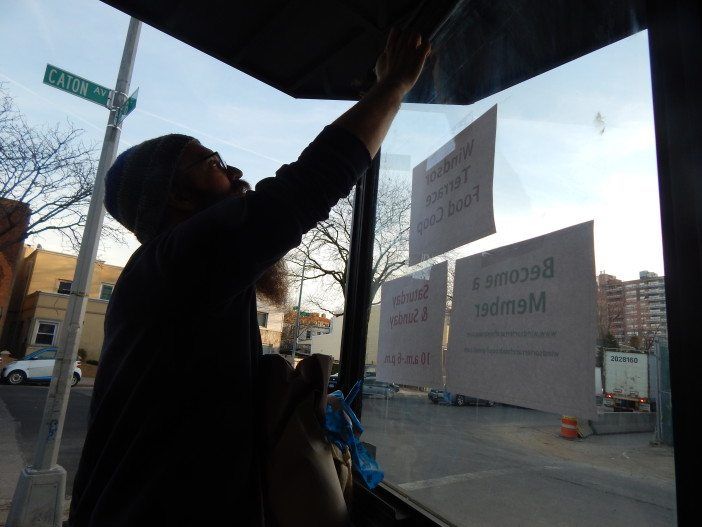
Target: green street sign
x=76, y=85
x=127, y=107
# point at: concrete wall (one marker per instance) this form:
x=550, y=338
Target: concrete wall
x=330, y=344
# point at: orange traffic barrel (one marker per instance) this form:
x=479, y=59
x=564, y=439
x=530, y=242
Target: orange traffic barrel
x=569, y=427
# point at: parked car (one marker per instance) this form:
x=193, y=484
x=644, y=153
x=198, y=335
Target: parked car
x=439, y=396
x=373, y=387
x=36, y=367
x=334, y=381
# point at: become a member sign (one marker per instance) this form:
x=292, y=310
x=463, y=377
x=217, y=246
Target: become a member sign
x=523, y=324
x=412, y=312
x=452, y=192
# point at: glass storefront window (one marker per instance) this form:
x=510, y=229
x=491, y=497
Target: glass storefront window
x=574, y=144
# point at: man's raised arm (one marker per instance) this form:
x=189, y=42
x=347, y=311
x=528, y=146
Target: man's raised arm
x=252, y=233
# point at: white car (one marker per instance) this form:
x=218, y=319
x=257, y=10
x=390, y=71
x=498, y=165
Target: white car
x=35, y=367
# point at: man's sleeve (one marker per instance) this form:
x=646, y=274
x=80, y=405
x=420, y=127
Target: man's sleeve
x=229, y=245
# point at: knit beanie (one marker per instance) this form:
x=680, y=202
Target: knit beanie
x=139, y=181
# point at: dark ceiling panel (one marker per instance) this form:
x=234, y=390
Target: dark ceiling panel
x=326, y=49
x=490, y=46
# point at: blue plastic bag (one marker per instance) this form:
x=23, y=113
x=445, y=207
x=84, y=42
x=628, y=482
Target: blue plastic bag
x=344, y=429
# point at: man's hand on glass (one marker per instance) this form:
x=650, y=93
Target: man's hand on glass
x=402, y=59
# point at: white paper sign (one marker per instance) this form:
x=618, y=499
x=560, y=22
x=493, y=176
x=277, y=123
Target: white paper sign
x=452, y=192
x=523, y=324
x=412, y=314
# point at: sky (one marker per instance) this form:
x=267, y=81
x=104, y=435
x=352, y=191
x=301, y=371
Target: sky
x=555, y=164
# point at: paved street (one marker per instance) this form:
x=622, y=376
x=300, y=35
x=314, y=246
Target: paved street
x=21, y=408
x=474, y=466
x=508, y=466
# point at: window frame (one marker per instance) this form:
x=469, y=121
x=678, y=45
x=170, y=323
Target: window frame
x=258, y=319
x=63, y=281
x=102, y=286
x=35, y=332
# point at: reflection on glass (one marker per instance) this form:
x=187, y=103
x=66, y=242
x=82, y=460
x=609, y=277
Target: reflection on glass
x=573, y=145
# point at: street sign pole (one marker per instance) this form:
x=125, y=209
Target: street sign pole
x=40, y=493
x=126, y=108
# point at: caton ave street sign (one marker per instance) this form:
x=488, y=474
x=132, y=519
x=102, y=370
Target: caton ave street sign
x=76, y=85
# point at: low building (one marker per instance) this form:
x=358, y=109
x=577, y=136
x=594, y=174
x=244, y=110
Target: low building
x=311, y=325
x=37, y=308
x=39, y=301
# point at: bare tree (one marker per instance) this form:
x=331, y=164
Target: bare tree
x=324, y=251
x=48, y=169
x=649, y=337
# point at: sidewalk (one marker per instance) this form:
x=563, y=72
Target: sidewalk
x=5, y=510
x=11, y=462
x=86, y=382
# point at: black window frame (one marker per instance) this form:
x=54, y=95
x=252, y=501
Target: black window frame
x=63, y=282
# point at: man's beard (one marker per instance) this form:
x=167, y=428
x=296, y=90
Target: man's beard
x=207, y=198
x=273, y=284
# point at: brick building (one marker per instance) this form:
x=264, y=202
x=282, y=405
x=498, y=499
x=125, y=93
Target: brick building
x=14, y=220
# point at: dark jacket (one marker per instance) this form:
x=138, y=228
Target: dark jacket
x=173, y=443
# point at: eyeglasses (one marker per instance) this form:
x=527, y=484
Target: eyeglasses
x=217, y=158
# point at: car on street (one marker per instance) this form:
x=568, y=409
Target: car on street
x=439, y=396
x=37, y=367
x=375, y=388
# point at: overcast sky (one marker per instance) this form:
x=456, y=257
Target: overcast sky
x=555, y=164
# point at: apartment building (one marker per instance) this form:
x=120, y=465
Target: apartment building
x=634, y=308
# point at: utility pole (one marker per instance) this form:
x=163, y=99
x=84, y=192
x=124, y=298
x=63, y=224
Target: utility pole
x=40, y=493
x=297, y=318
